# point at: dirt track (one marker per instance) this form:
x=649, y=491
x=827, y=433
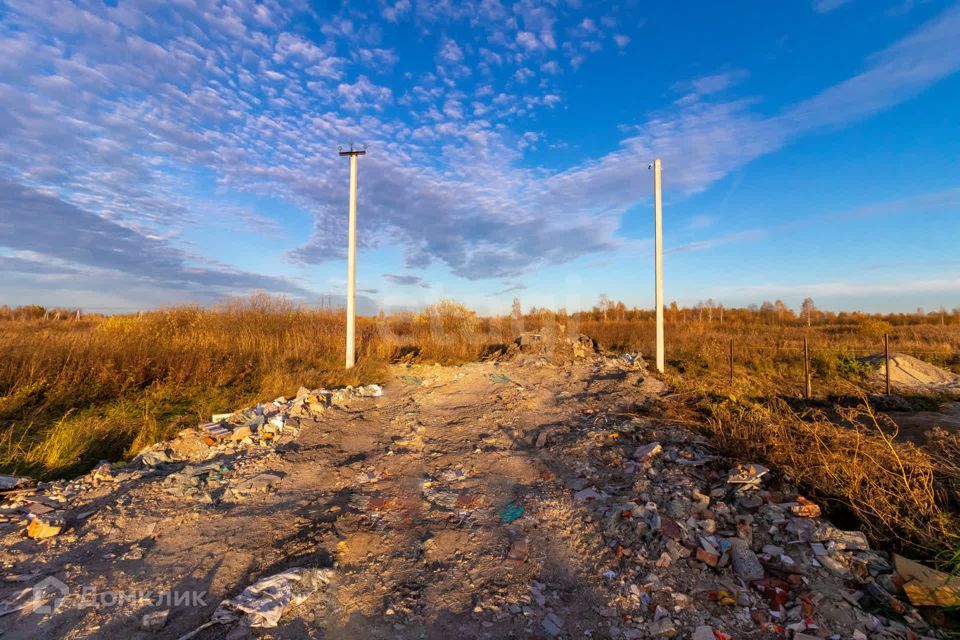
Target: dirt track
x=405, y=496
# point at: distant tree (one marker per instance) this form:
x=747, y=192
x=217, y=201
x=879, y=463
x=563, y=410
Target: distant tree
x=620, y=310
x=808, y=308
x=781, y=309
x=604, y=304
x=768, y=310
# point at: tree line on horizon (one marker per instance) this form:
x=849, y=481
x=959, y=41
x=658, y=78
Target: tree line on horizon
x=607, y=309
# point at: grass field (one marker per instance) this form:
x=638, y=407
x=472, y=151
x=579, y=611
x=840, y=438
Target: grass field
x=73, y=392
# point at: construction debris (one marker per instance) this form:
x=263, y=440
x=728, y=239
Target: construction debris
x=540, y=511
x=263, y=603
x=926, y=587
x=9, y=483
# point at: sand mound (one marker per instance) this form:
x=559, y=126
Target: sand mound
x=909, y=373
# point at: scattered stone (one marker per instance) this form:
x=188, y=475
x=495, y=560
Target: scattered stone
x=41, y=527
x=844, y=540
x=805, y=508
x=259, y=483
x=518, y=551
x=703, y=632
x=647, y=451
x=541, y=440
x=709, y=558
x=552, y=624
x=155, y=620
x=8, y=483
x=587, y=494
x=745, y=562
x=663, y=628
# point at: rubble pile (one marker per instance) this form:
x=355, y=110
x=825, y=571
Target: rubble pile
x=186, y=463
x=696, y=550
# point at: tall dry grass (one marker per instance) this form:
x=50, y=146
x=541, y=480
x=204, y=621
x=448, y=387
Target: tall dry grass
x=75, y=392
x=768, y=357
x=899, y=492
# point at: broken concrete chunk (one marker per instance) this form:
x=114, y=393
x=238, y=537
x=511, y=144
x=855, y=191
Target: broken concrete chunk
x=647, y=451
x=153, y=457
x=155, y=620
x=926, y=587
x=369, y=391
x=663, y=628
x=587, y=494
x=844, y=540
x=805, y=508
x=44, y=527
x=541, y=440
x=258, y=484
x=552, y=624
x=745, y=562
x=703, y=632
x=240, y=433
x=8, y=483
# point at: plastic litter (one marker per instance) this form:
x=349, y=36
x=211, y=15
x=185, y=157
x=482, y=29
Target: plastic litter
x=511, y=511
x=263, y=603
x=747, y=476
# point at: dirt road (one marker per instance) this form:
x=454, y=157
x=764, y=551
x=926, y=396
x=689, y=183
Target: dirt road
x=476, y=501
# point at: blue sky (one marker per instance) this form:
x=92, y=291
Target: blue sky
x=186, y=151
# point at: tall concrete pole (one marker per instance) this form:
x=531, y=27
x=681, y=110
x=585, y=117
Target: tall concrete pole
x=658, y=224
x=352, y=259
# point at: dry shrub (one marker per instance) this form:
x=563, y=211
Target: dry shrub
x=894, y=488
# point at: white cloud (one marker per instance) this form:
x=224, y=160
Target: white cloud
x=826, y=6
x=264, y=114
x=450, y=52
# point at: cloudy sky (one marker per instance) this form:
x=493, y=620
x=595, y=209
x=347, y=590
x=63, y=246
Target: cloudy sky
x=156, y=152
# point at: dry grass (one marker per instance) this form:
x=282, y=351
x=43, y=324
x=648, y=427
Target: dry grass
x=899, y=492
x=72, y=393
x=768, y=358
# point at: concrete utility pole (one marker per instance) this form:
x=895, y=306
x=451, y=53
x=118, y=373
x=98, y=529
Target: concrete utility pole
x=658, y=225
x=352, y=257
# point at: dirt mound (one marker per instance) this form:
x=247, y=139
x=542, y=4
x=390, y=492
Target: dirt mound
x=912, y=374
